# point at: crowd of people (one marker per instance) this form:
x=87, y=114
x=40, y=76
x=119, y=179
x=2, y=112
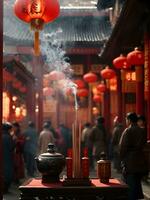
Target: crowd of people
x=20, y=148
x=124, y=148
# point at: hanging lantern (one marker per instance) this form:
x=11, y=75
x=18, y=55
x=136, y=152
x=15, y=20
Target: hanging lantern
x=56, y=75
x=135, y=57
x=80, y=83
x=7, y=76
x=82, y=93
x=90, y=77
x=48, y=91
x=97, y=98
x=107, y=73
x=36, y=12
x=101, y=87
x=16, y=84
x=121, y=62
x=23, y=89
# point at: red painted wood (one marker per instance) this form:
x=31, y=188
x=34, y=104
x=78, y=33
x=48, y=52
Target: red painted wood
x=1, y=89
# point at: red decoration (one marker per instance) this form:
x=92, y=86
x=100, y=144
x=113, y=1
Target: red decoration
x=69, y=167
x=90, y=77
x=56, y=75
x=17, y=84
x=135, y=57
x=97, y=98
x=121, y=62
x=80, y=83
x=107, y=73
x=48, y=91
x=101, y=87
x=36, y=12
x=85, y=167
x=7, y=75
x=23, y=89
x=82, y=93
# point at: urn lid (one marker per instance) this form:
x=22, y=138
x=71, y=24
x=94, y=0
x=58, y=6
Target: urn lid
x=51, y=152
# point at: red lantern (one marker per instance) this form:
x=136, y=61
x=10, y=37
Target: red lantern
x=80, y=83
x=48, y=91
x=107, y=73
x=7, y=75
x=36, y=12
x=82, y=93
x=56, y=75
x=23, y=89
x=135, y=57
x=90, y=77
x=97, y=98
x=16, y=84
x=121, y=62
x=101, y=87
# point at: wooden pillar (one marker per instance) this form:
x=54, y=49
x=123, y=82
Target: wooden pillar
x=1, y=90
x=38, y=72
x=147, y=80
x=90, y=103
x=119, y=96
x=123, y=95
x=107, y=106
x=31, y=100
x=139, y=90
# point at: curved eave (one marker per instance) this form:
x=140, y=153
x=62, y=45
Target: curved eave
x=128, y=31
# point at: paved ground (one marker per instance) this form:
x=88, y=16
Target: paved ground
x=14, y=192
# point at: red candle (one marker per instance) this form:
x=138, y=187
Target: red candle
x=69, y=167
x=85, y=167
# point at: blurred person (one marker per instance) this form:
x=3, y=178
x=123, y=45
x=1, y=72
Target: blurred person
x=18, y=154
x=141, y=122
x=98, y=138
x=52, y=130
x=134, y=165
x=45, y=138
x=86, y=142
x=30, y=148
x=116, y=135
x=63, y=141
x=8, y=148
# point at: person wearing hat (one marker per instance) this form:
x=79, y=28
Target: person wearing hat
x=134, y=166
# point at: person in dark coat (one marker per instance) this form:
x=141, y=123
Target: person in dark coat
x=116, y=135
x=98, y=138
x=18, y=154
x=134, y=165
x=8, y=148
x=30, y=148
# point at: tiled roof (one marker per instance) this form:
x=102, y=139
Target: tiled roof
x=85, y=28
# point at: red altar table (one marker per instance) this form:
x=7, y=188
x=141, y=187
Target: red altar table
x=35, y=189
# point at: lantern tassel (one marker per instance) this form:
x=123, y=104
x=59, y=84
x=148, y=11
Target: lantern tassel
x=36, y=43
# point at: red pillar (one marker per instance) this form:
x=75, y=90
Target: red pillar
x=107, y=107
x=147, y=79
x=1, y=90
x=139, y=90
x=119, y=96
x=38, y=73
